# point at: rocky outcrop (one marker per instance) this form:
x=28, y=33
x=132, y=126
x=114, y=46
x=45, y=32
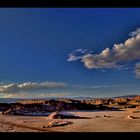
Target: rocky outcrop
x=51, y=106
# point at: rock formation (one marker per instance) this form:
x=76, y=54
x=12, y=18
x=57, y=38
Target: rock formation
x=42, y=107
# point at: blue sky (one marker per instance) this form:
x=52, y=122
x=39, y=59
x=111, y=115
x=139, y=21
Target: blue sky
x=36, y=43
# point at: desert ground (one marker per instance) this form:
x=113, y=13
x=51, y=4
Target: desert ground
x=125, y=120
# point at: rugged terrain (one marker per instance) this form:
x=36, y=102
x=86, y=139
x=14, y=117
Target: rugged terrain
x=43, y=107
x=95, y=115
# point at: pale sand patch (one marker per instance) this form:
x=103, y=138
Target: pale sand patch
x=101, y=121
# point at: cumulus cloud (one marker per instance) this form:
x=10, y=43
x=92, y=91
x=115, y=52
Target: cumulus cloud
x=114, y=57
x=14, y=87
x=137, y=70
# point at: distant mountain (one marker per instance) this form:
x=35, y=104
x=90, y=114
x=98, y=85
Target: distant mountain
x=126, y=96
x=83, y=98
x=91, y=98
x=13, y=100
x=9, y=100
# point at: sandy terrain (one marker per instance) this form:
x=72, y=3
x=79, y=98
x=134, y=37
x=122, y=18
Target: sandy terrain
x=101, y=121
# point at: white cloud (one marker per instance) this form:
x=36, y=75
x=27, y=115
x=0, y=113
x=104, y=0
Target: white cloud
x=137, y=70
x=14, y=87
x=14, y=95
x=114, y=57
x=39, y=95
x=69, y=91
x=7, y=95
